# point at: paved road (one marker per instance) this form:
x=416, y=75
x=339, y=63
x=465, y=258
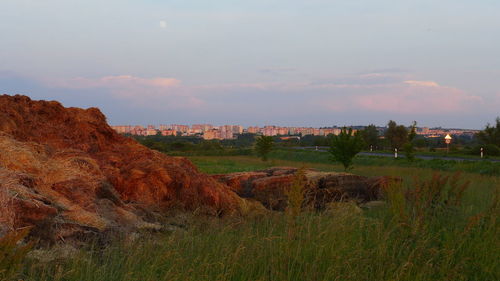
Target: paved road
x=426, y=157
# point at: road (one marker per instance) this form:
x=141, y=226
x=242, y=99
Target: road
x=400, y=155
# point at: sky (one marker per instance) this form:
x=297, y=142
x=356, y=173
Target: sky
x=260, y=62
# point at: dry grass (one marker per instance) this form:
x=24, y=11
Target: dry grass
x=295, y=193
x=342, y=243
x=7, y=215
x=12, y=253
x=33, y=159
x=47, y=168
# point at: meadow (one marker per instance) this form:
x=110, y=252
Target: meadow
x=323, y=161
x=437, y=233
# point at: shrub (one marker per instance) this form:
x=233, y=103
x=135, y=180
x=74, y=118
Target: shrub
x=488, y=149
x=295, y=193
x=490, y=134
x=12, y=253
x=345, y=146
x=408, y=147
x=427, y=200
x=264, y=145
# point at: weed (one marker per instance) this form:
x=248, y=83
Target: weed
x=12, y=254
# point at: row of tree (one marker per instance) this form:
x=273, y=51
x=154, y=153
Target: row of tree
x=347, y=144
x=343, y=147
x=396, y=135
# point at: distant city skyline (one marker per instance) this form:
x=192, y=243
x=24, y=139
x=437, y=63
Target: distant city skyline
x=289, y=62
x=210, y=132
x=159, y=124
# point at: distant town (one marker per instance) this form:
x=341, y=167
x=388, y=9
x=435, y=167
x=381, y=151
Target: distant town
x=211, y=132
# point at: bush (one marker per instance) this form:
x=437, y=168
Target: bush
x=264, y=145
x=295, y=193
x=345, y=146
x=408, y=147
x=488, y=149
x=12, y=253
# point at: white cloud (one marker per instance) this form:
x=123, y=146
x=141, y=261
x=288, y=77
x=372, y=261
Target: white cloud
x=422, y=83
x=163, y=24
x=119, y=81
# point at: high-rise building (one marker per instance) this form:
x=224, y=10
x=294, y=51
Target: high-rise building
x=253, y=130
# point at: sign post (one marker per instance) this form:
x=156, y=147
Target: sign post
x=447, y=140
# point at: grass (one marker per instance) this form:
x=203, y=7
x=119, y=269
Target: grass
x=340, y=244
x=7, y=215
x=481, y=167
x=442, y=153
x=404, y=239
x=323, y=160
x=426, y=152
x=478, y=193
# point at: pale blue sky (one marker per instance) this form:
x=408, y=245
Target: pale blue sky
x=284, y=62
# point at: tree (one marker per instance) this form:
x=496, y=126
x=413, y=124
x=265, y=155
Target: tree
x=490, y=139
x=345, y=146
x=370, y=136
x=264, y=145
x=397, y=135
x=490, y=134
x=408, y=147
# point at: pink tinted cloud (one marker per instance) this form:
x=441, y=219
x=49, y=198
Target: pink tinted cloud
x=368, y=92
x=421, y=83
x=159, y=92
x=114, y=82
x=417, y=97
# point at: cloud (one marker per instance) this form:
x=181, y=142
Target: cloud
x=278, y=70
x=417, y=98
x=163, y=24
x=387, y=71
x=116, y=82
x=147, y=92
x=128, y=80
x=371, y=92
x=422, y=83
x=349, y=98
x=395, y=93
x=360, y=80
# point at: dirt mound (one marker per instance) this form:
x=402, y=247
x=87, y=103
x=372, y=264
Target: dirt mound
x=66, y=167
x=67, y=174
x=270, y=186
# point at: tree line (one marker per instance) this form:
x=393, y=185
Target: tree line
x=342, y=147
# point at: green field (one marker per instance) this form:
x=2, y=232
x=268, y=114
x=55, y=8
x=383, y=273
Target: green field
x=401, y=240
x=322, y=160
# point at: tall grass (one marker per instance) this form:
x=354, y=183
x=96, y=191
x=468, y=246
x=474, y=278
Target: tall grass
x=12, y=253
x=7, y=215
x=426, y=231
